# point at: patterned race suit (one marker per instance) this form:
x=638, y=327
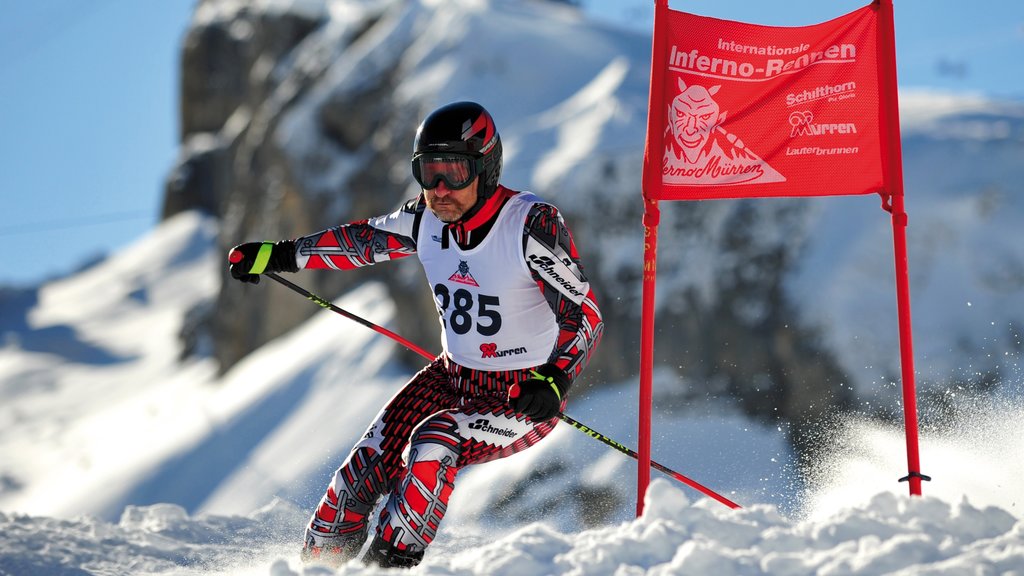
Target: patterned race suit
x=508, y=300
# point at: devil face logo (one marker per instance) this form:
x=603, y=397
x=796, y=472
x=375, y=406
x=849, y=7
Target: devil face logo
x=693, y=116
x=700, y=151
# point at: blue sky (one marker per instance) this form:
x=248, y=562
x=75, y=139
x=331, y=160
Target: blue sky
x=88, y=102
x=88, y=127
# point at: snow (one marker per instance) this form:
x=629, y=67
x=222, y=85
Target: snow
x=889, y=535
x=119, y=457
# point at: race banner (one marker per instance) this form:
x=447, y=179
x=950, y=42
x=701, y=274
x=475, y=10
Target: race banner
x=742, y=110
x=750, y=110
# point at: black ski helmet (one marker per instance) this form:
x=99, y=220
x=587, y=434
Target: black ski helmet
x=463, y=128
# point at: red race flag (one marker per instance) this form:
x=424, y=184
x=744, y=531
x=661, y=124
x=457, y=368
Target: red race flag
x=750, y=110
x=741, y=110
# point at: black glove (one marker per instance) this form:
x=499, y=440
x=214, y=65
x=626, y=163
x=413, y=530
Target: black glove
x=540, y=397
x=251, y=259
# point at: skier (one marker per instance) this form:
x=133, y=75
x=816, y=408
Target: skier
x=518, y=324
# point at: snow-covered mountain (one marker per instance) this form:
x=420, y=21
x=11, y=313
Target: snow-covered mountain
x=127, y=446
x=299, y=116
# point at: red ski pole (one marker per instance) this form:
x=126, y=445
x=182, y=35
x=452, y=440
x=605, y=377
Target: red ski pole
x=328, y=305
x=513, y=392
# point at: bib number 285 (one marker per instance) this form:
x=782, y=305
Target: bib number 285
x=465, y=313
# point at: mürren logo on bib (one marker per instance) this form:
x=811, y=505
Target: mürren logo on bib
x=490, y=350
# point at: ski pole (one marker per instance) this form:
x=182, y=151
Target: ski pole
x=632, y=454
x=326, y=304
x=563, y=417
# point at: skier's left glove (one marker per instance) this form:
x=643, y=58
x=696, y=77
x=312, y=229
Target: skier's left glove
x=249, y=260
x=540, y=397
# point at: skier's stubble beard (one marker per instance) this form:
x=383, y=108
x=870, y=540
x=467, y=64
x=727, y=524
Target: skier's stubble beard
x=450, y=205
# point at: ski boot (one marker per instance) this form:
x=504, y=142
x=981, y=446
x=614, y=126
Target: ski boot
x=333, y=550
x=385, y=555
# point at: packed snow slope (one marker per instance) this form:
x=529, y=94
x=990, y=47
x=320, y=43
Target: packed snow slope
x=889, y=535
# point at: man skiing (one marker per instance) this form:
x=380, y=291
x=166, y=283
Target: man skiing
x=519, y=322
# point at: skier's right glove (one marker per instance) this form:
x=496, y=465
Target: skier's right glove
x=249, y=260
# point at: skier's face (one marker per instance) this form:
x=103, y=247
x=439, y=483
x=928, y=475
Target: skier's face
x=449, y=205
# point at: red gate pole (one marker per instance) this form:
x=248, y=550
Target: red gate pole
x=894, y=203
x=651, y=217
x=653, y=156
x=899, y=231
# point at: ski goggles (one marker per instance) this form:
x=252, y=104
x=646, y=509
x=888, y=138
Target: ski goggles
x=455, y=170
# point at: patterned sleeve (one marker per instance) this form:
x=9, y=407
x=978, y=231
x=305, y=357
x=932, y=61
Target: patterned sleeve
x=555, y=265
x=364, y=242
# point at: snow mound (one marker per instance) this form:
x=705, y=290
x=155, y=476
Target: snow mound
x=887, y=535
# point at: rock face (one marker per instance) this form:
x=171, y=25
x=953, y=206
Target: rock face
x=243, y=72
x=298, y=118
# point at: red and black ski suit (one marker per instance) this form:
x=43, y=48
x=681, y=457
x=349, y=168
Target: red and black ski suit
x=511, y=295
